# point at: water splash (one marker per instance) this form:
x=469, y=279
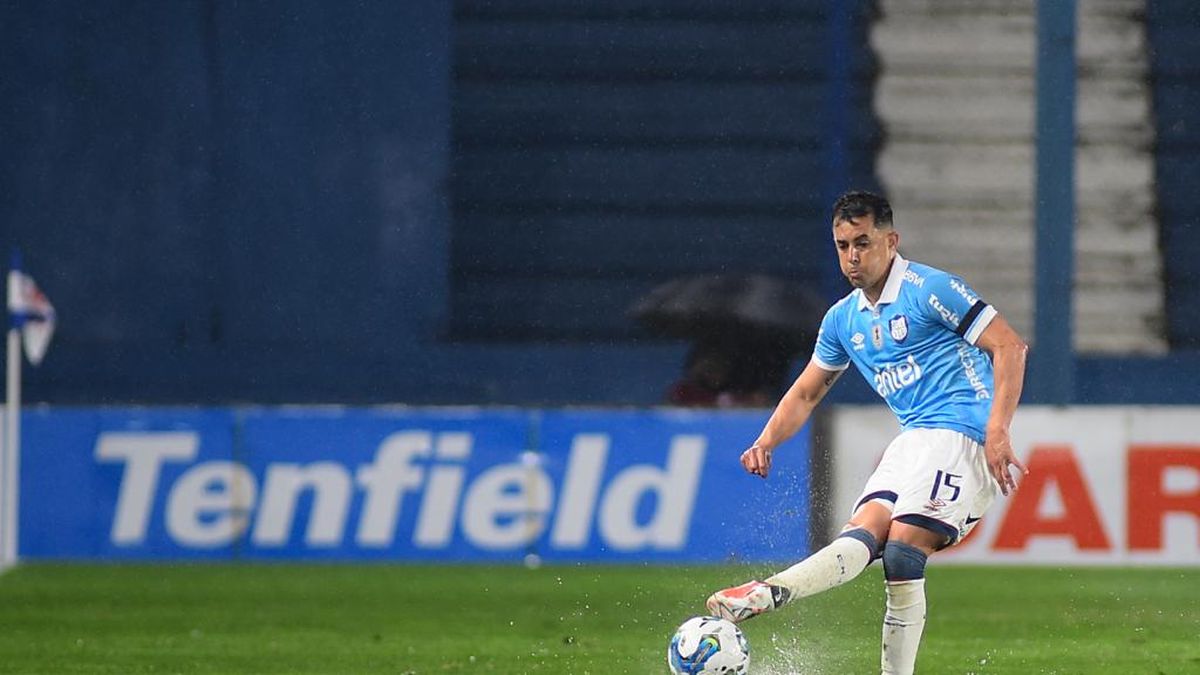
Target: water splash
x=784, y=655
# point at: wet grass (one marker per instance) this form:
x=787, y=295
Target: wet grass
x=571, y=619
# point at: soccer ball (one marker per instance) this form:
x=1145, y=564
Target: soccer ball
x=704, y=645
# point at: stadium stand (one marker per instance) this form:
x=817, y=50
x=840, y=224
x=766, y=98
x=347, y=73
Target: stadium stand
x=252, y=202
x=955, y=98
x=1175, y=72
x=602, y=150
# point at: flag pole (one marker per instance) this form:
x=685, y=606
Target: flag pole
x=12, y=450
x=31, y=325
x=10, y=466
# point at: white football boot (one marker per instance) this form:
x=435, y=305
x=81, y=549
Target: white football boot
x=748, y=600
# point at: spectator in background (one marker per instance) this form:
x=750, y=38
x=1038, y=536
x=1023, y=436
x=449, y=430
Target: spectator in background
x=720, y=374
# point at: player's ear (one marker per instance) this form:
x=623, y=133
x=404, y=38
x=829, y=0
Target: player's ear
x=893, y=239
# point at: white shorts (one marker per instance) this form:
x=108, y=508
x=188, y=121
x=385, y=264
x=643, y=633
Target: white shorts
x=933, y=478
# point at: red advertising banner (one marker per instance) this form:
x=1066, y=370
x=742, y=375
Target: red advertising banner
x=1106, y=485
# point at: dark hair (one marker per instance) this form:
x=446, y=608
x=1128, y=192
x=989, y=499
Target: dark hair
x=859, y=203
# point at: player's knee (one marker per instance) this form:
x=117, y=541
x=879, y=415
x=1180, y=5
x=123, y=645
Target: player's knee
x=903, y=562
x=865, y=536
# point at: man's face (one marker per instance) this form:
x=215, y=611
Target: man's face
x=864, y=251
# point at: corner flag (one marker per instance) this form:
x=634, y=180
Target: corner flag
x=31, y=313
x=31, y=321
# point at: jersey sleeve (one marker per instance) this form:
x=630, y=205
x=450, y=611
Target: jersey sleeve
x=948, y=300
x=829, y=352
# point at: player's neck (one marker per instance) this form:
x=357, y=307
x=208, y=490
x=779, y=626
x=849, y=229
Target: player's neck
x=875, y=290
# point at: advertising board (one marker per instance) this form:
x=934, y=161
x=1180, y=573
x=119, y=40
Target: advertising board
x=405, y=484
x=1106, y=485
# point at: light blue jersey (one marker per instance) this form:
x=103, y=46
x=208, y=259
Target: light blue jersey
x=916, y=346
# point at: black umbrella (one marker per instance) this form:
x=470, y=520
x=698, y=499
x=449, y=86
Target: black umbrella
x=728, y=306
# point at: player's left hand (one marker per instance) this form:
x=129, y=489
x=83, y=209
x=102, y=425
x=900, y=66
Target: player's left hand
x=999, y=454
x=757, y=460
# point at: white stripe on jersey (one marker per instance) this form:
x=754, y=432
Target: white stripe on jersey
x=981, y=323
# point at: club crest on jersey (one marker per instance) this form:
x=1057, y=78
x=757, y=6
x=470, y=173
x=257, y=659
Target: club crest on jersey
x=898, y=327
x=877, y=336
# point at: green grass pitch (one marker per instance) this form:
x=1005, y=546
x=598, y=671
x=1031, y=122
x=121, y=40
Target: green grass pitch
x=287, y=618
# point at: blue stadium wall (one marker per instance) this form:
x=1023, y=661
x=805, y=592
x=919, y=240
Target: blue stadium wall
x=431, y=202
x=418, y=202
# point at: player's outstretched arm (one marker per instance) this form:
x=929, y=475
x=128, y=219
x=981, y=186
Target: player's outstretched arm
x=792, y=412
x=1007, y=350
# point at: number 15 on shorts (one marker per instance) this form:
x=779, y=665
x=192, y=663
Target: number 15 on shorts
x=945, y=479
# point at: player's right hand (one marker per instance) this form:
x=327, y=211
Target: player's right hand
x=757, y=460
x=998, y=452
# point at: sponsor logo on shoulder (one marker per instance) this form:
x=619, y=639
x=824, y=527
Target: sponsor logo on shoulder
x=937, y=305
x=963, y=291
x=914, y=278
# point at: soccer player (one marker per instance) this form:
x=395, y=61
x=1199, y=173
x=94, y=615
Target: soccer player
x=951, y=369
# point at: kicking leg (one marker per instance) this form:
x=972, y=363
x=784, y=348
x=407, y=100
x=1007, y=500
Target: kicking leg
x=904, y=556
x=842, y=560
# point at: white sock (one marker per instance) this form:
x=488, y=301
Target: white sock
x=902, y=626
x=837, y=563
